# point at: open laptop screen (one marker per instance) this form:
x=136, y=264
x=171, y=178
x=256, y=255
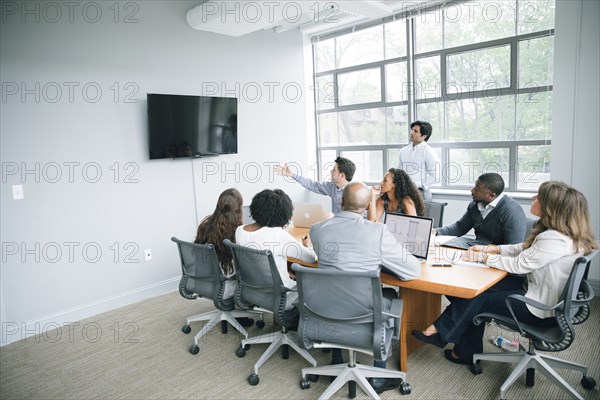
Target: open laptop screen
x=411, y=231
x=307, y=214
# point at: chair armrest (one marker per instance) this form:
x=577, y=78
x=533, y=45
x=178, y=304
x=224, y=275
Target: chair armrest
x=512, y=321
x=526, y=300
x=533, y=303
x=396, y=313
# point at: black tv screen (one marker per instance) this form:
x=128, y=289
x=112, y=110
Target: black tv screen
x=182, y=126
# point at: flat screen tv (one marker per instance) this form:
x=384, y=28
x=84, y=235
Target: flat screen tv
x=181, y=126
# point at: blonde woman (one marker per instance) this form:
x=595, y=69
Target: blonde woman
x=562, y=234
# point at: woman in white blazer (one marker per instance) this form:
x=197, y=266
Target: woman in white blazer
x=544, y=261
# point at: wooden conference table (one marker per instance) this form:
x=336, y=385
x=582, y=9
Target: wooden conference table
x=423, y=297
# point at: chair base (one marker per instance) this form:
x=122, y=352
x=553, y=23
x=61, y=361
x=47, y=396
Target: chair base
x=277, y=339
x=214, y=317
x=543, y=363
x=352, y=371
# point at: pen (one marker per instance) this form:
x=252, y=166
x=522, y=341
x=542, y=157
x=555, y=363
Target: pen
x=441, y=265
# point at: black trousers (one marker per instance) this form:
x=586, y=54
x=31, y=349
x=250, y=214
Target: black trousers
x=455, y=325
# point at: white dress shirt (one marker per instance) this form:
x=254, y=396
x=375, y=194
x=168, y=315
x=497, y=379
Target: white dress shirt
x=421, y=163
x=485, y=210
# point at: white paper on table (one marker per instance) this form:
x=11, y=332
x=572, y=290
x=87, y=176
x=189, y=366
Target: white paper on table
x=454, y=256
x=471, y=264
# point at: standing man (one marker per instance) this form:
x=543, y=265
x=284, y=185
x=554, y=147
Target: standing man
x=362, y=245
x=418, y=159
x=497, y=218
x=341, y=174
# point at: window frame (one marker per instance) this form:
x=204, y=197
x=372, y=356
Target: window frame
x=444, y=98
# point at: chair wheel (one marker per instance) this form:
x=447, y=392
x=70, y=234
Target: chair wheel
x=194, y=349
x=260, y=324
x=247, y=347
x=326, y=350
x=476, y=369
x=530, y=377
x=304, y=384
x=240, y=352
x=285, y=351
x=224, y=327
x=186, y=329
x=405, y=388
x=253, y=379
x=352, y=389
x=313, y=378
x=588, y=382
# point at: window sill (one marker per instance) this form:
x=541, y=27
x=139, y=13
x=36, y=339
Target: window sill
x=467, y=193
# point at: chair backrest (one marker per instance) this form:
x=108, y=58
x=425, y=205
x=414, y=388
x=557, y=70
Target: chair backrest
x=259, y=282
x=435, y=210
x=576, y=294
x=202, y=275
x=343, y=308
x=529, y=224
x=583, y=312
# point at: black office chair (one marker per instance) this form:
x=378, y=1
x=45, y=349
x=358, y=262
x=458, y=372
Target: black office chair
x=529, y=224
x=575, y=296
x=346, y=310
x=260, y=287
x=202, y=277
x=435, y=210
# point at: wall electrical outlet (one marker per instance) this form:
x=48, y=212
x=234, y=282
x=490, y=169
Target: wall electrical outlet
x=148, y=254
x=18, y=192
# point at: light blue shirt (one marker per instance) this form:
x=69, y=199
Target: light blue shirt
x=326, y=188
x=349, y=242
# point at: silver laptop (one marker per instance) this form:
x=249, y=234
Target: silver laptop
x=413, y=232
x=307, y=214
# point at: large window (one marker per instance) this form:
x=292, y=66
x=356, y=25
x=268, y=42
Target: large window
x=480, y=72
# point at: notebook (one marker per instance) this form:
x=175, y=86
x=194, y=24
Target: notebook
x=307, y=214
x=463, y=242
x=411, y=231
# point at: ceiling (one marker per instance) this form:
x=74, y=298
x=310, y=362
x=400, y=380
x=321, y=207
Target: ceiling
x=239, y=18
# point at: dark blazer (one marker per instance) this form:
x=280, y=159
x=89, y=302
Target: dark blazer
x=505, y=224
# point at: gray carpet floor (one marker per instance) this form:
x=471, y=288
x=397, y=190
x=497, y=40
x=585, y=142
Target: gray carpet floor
x=139, y=352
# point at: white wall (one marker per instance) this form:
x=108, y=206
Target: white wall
x=576, y=124
x=43, y=283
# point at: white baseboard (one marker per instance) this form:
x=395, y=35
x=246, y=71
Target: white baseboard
x=14, y=331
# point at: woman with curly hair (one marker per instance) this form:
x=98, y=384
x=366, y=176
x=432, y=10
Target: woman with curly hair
x=271, y=210
x=562, y=234
x=220, y=225
x=398, y=194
